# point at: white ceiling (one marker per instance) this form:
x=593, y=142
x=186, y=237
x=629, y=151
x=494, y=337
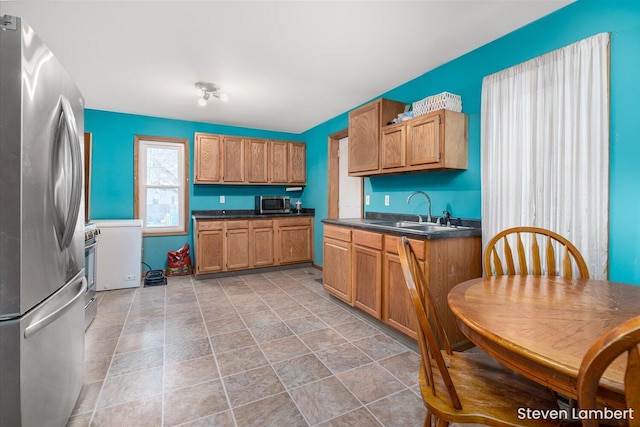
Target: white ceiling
x=286, y=65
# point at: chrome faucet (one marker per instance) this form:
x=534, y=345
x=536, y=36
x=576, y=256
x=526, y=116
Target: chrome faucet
x=428, y=203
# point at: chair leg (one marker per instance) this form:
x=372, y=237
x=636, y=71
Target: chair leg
x=428, y=422
x=442, y=423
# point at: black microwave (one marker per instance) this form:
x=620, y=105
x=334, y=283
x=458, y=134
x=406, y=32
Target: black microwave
x=273, y=204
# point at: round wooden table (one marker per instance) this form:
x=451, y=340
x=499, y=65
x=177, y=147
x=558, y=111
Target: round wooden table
x=542, y=327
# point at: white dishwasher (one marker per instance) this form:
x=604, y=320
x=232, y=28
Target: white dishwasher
x=119, y=254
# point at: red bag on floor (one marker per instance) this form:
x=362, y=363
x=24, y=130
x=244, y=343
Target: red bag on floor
x=179, y=262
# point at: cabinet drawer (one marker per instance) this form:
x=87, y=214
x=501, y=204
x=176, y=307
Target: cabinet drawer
x=368, y=239
x=262, y=223
x=210, y=225
x=287, y=222
x=338, y=233
x=391, y=245
x=237, y=225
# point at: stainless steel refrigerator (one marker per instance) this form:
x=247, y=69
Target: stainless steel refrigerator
x=41, y=232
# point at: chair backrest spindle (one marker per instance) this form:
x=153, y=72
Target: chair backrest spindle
x=532, y=262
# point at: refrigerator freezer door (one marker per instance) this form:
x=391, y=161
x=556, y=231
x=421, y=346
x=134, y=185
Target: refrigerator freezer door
x=42, y=215
x=42, y=376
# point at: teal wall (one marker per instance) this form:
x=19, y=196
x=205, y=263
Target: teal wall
x=112, y=172
x=456, y=191
x=459, y=191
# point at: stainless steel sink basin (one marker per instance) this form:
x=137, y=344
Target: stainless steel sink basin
x=421, y=227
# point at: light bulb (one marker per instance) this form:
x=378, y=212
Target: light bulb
x=202, y=102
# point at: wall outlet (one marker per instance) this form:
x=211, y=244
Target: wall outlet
x=367, y=200
x=222, y=199
x=386, y=200
x=130, y=277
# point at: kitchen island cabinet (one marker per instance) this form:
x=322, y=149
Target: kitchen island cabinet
x=377, y=285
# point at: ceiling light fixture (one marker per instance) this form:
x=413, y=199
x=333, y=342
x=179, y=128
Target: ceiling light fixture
x=205, y=90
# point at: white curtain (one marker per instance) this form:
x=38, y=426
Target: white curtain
x=545, y=148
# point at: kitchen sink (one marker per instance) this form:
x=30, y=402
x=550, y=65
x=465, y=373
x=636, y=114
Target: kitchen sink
x=421, y=227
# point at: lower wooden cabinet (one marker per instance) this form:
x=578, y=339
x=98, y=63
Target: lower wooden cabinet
x=227, y=245
x=262, y=248
x=372, y=278
x=366, y=261
x=336, y=272
x=209, y=247
x=237, y=244
x=294, y=240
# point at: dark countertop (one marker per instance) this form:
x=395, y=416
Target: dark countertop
x=373, y=219
x=246, y=214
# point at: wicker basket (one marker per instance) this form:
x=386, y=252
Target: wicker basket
x=444, y=100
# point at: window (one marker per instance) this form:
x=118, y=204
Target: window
x=161, y=190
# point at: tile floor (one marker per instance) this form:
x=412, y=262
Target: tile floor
x=269, y=349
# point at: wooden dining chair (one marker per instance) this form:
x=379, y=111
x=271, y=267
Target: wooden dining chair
x=622, y=339
x=542, y=255
x=465, y=387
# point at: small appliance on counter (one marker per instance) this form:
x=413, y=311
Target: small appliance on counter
x=273, y=204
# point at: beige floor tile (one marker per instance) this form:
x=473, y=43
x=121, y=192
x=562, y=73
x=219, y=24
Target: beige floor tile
x=125, y=363
x=249, y=386
x=322, y=400
x=379, y=346
x=191, y=403
x=361, y=417
x=278, y=410
x=370, y=382
x=301, y=370
x=283, y=349
x=130, y=387
x=187, y=350
x=190, y=372
x=243, y=359
x=141, y=413
x=401, y=409
x=322, y=338
x=252, y=350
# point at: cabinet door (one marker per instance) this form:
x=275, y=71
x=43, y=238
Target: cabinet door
x=364, y=138
x=262, y=246
x=366, y=267
x=279, y=162
x=423, y=140
x=233, y=159
x=398, y=308
x=237, y=242
x=394, y=141
x=297, y=163
x=257, y=160
x=336, y=272
x=209, y=247
x=294, y=240
x=207, y=158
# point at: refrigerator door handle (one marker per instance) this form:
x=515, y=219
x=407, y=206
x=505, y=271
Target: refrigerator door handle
x=65, y=233
x=51, y=317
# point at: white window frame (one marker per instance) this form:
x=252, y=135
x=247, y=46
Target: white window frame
x=142, y=144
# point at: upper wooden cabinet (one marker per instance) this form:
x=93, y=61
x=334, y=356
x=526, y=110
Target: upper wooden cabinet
x=207, y=158
x=365, y=124
x=297, y=163
x=257, y=161
x=279, y=162
x=221, y=159
x=233, y=159
x=436, y=140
